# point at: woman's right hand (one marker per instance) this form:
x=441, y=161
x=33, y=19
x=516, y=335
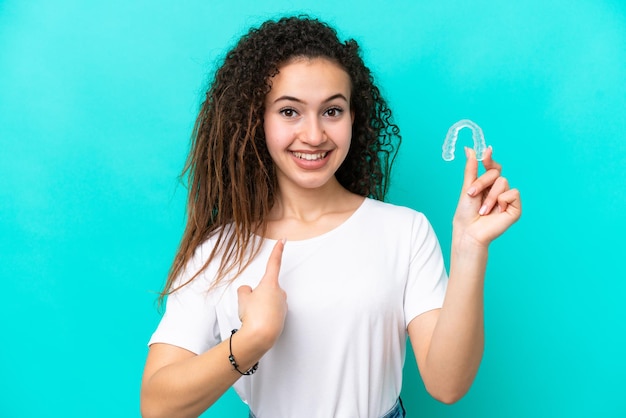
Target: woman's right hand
x=262, y=311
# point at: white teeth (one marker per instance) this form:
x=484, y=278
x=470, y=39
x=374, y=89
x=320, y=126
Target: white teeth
x=310, y=157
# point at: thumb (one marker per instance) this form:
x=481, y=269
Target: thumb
x=273, y=264
x=243, y=292
x=471, y=168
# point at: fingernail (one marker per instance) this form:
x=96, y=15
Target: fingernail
x=283, y=240
x=483, y=210
x=471, y=191
x=466, y=152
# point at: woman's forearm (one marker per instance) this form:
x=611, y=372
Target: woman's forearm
x=187, y=386
x=457, y=343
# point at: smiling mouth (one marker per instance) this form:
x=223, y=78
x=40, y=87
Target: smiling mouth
x=310, y=157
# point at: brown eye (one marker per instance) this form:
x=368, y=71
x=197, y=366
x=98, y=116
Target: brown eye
x=334, y=112
x=288, y=112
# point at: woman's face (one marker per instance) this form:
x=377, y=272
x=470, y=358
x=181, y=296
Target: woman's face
x=308, y=122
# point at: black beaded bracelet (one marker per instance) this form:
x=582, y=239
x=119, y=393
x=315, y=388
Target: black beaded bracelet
x=231, y=358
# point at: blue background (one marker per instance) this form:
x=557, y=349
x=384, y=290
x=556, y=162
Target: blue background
x=97, y=102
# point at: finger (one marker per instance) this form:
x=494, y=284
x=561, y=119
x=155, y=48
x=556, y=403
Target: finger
x=471, y=169
x=243, y=294
x=488, y=162
x=500, y=186
x=483, y=182
x=512, y=203
x=273, y=264
x=243, y=291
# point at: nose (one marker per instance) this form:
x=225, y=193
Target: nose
x=313, y=132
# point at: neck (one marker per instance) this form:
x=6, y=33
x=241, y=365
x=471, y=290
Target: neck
x=310, y=204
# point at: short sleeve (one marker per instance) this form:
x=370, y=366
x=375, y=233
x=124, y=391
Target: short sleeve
x=428, y=279
x=190, y=319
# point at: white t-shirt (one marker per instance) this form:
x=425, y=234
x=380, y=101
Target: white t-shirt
x=351, y=293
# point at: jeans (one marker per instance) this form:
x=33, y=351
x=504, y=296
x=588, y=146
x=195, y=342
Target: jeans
x=396, y=412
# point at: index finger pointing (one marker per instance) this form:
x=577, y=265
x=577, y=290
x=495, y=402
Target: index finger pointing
x=273, y=263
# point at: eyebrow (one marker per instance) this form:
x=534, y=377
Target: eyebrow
x=295, y=99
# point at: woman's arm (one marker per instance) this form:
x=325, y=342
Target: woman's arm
x=179, y=383
x=448, y=342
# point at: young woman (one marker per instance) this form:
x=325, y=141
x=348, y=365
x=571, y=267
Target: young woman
x=288, y=242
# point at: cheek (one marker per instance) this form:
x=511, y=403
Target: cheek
x=274, y=131
x=345, y=132
x=276, y=137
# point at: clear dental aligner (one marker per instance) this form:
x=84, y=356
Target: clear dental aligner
x=453, y=133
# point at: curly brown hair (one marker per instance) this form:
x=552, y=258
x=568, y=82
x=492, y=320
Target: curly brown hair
x=231, y=177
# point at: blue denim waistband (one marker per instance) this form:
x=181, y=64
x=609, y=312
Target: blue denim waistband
x=397, y=411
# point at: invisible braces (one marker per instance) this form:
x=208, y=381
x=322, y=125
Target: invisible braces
x=453, y=133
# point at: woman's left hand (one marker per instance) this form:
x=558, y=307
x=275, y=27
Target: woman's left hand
x=487, y=206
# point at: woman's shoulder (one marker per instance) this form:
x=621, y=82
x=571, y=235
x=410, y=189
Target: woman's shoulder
x=392, y=216
x=197, y=266
x=391, y=210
